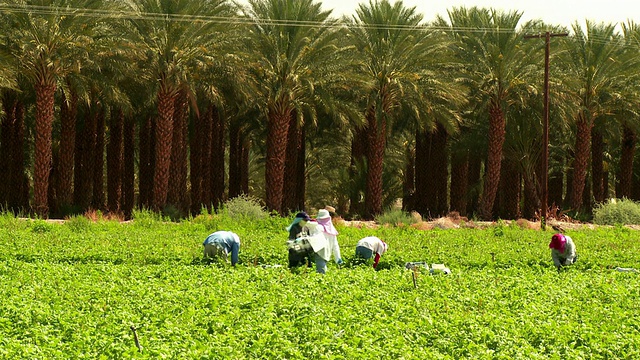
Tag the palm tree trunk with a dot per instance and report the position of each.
(82, 173)
(301, 178)
(510, 187)
(581, 159)
(532, 201)
(556, 183)
(68, 114)
(115, 159)
(586, 196)
(7, 129)
(431, 184)
(569, 181)
(626, 162)
(44, 125)
(99, 202)
(177, 193)
(128, 176)
(290, 187)
(195, 163)
(459, 183)
(206, 156)
(235, 154)
(597, 159)
(635, 195)
(146, 148)
(244, 165)
(163, 132)
(277, 130)
(605, 184)
(420, 201)
(408, 182)
(494, 159)
(217, 159)
(13, 180)
(440, 160)
(475, 176)
(53, 179)
(359, 150)
(377, 139)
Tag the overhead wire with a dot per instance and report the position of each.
(239, 20)
(133, 15)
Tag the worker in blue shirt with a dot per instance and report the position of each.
(221, 244)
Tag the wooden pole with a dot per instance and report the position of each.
(545, 125)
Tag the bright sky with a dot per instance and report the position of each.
(557, 12)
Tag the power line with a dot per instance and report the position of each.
(133, 15)
(239, 20)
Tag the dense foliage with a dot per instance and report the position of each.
(179, 105)
(73, 290)
(617, 211)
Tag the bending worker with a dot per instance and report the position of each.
(221, 244)
(370, 245)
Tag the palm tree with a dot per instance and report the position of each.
(12, 123)
(175, 36)
(291, 61)
(394, 48)
(630, 114)
(48, 44)
(593, 62)
(444, 100)
(500, 73)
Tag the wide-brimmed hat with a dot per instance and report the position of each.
(323, 214)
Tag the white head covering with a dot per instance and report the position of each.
(323, 214)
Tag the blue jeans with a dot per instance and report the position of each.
(364, 252)
(321, 264)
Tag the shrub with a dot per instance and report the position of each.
(244, 207)
(146, 217)
(617, 211)
(40, 226)
(78, 223)
(395, 217)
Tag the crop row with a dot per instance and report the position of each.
(75, 291)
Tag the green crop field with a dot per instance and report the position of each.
(75, 290)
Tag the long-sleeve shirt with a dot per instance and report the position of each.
(228, 240)
(376, 245)
(295, 231)
(332, 240)
(567, 257)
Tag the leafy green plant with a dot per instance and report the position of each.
(78, 223)
(244, 207)
(617, 211)
(40, 226)
(395, 217)
(75, 290)
(147, 218)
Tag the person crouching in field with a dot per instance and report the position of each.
(370, 245)
(563, 250)
(221, 244)
(299, 249)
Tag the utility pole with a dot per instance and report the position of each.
(545, 132)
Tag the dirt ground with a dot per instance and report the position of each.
(455, 222)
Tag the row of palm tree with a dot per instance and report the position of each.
(193, 102)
